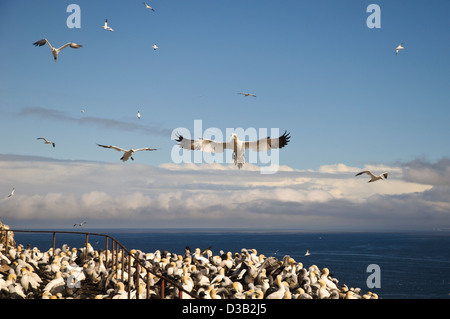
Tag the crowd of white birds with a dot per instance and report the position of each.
(86, 273)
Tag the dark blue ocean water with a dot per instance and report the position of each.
(413, 265)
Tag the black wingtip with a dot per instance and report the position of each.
(179, 137)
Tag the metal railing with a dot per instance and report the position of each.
(118, 252)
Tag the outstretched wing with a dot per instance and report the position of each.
(145, 149)
(366, 172)
(204, 145)
(72, 45)
(267, 143)
(42, 138)
(113, 147)
(41, 43)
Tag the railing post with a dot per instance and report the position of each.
(162, 288)
(86, 246)
(7, 241)
(137, 283)
(129, 272)
(117, 260)
(148, 284)
(54, 247)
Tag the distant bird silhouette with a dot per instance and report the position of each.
(12, 193)
(400, 47)
(79, 224)
(247, 94)
(46, 141)
(148, 7)
(106, 26)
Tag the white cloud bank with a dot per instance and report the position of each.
(53, 194)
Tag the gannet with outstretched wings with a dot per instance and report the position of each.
(12, 193)
(234, 144)
(46, 141)
(373, 178)
(400, 47)
(148, 7)
(247, 94)
(127, 153)
(106, 26)
(79, 224)
(55, 51)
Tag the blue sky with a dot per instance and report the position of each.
(318, 71)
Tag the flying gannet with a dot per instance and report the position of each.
(247, 94)
(235, 144)
(12, 193)
(45, 141)
(400, 47)
(154, 47)
(307, 253)
(373, 178)
(138, 115)
(106, 26)
(127, 153)
(148, 7)
(79, 224)
(56, 51)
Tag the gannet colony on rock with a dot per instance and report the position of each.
(85, 273)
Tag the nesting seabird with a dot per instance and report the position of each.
(235, 144)
(400, 47)
(46, 141)
(127, 153)
(148, 7)
(55, 51)
(373, 178)
(247, 94)
(106, 26)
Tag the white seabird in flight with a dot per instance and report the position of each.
(148, 7)
(373, 178)
(127, 153)
(106, 26)
(154, 47)
(56, 51)
(400, 47)
(235, 144)
(12, 193)
(247, 94)
(46, 141)
(307, 253)
(138, 115)
(79, 224)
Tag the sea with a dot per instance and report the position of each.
(394, 265)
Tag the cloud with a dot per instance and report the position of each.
(213, 195)
(420, 171)
(96, 121)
